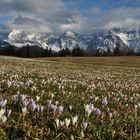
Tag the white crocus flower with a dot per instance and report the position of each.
(52, 95)
(82, 134)
(57, 122)
(67, 122)
(2, 111)
(24, 110)
(74, 120)
(88, 109)
(4, 119)
(104, 101)
(70, 107)
(85, 124)
(37, 98)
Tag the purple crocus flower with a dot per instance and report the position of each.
(3, 103)
(98, 112)
(15, 97)
(61, 123)
(53, 108)
(90, 97)
(31, 101)
(25, 103)
(41, 108)
(33, 106)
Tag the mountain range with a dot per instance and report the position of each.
(102, 41)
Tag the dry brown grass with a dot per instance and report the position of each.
(123, 61)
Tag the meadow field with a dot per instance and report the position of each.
(89, 98)
(123, 61)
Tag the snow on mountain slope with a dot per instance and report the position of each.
(20, 38)
(70, 40)
(123, 37)
(69, 34)
(98, 41)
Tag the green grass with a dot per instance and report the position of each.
(71, 85)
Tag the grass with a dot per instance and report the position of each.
(55, 100)
(125, 61)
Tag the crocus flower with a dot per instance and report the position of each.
(98, 112)
(9, 83)
(104, 101)
(85, 124)
(33, 106)
(15, 97)
(74, 120)
(41, 108)
(24, 110)
(38, 108)
(110, 115)
(53, 108)
(2, 111)
(37, 98)
(88, 109)
(135, 106)
(70, 107)
(31, 101)
(67, 122)
(90, 97)
(52, 95)
(25, 103)
(61, 123)
(22, 97)
(82, 134)
(9, 112)
(4, 119)
(60, 109)
(57, 122)
(3, 103)
(56, 103)
(49, 102)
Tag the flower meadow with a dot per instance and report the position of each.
(42, 100)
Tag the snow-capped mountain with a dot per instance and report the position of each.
(121, 38)
(70, 40)
(124, 39)
(20, 38)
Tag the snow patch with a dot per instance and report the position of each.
(69, 34)
(123, 37)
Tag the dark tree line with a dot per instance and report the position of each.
(76, 51)
(36, 51)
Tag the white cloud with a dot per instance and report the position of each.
(28, 24)
(72, 26)
(54, 16)
(128, 22)
(124, 17)
(41, 15)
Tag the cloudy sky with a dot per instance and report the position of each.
(57, 16)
